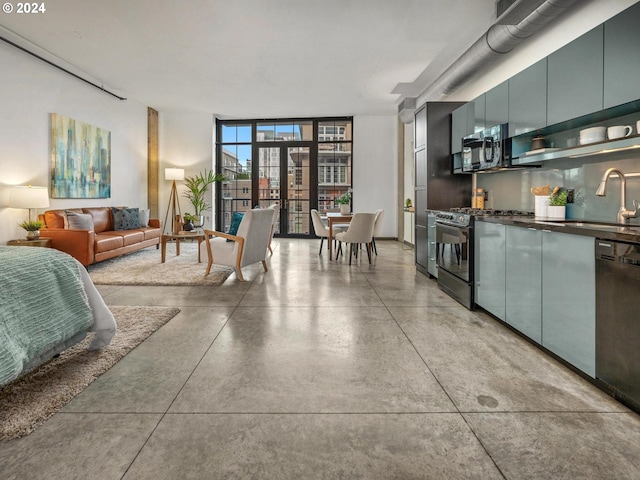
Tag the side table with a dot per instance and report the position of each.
(40, 242)
(177, 237)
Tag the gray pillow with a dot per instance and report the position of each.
(78, 221)
(125, 218)
(144, 217)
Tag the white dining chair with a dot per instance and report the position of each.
(321, 230)
(360, 231)
(377, 228)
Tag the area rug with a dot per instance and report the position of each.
(30, 400)
(144, 267)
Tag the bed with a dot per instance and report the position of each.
(48, 303)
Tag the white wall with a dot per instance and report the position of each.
(375, 170)
(30, 91)
(186, 141)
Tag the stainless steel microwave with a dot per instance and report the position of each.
(487, 149)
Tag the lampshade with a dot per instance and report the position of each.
(29, 197)
(174, 173)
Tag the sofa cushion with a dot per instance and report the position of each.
(125, 218)
(129, 237)
(144, 217)
(102, 218)
(78, 221)
(108, 241)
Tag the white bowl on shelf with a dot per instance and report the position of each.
(593, 135)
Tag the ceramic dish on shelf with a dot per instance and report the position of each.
(541, 150)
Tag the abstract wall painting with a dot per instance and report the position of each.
(80, 159)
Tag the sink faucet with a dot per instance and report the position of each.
(623, 214)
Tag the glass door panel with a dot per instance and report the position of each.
(298, 195)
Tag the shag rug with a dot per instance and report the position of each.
(31, 399)
(144, 267)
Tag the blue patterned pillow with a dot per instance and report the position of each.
(125, 218)
(236, 218)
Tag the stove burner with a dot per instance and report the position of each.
(498, 213)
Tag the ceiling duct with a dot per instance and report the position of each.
(524, 17)
(407, 110)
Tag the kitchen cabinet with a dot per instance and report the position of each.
(622, 57)
(436, 188)
(576, 78)
(461, 125)
(478, 105)
(490, 267)
(568, 298)
(496, 110)
(527, 99)
(432, 267)
(523, 293)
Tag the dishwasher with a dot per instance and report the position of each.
(618, 319)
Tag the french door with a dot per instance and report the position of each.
(284, 178)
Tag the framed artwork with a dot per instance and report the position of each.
(80, 159)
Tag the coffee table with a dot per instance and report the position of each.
(178, 237)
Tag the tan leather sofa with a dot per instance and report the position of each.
(101, 243)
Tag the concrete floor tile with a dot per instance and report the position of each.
(313, 446)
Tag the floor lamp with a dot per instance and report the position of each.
(174, 205)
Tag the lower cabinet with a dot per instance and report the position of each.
(541, 283)
(523, 296)
(568, 298)
(489, 267)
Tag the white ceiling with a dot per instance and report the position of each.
(259, 58)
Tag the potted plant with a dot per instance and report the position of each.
(408, 204)
(189, 222)
(557, 204)
(345, 203)
(33, 228)
(197, 187)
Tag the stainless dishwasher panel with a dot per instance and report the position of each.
(618, 319)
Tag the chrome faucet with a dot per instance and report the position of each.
(623, 214)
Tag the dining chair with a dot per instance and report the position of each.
(320, 229)
(377, 228)
(360, 231)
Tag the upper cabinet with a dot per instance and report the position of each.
(622, 57)
(478, 104)
(528, 99)
(576, 78)
(462, 119)
(496, 110)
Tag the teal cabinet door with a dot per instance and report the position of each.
(523, 296)
(568, 298)
(622, 57)
(489, 267)
(528, 99)
(479, 105)
(576, 78)
(496, 110)
(460, 126)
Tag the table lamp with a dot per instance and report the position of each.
(29, 197)
(174, 205)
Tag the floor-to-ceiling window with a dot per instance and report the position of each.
(297, 164)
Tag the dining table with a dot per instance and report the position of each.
(335, 218)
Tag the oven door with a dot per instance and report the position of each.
(452, 250)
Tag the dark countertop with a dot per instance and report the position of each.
(604, 230)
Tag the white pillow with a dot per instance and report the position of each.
(144, 217)
(79, 221)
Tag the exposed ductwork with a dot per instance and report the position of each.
(500, 39)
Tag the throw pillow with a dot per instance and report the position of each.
(125, 218)
(236, 218)
(144, 217)
(78, 221)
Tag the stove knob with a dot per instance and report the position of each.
(461, 218)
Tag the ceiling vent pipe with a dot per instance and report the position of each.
(498, 40)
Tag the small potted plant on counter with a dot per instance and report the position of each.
(33, 228)
(557, 204)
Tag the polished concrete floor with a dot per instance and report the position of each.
(319, 369)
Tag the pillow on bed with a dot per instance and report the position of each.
(125, 218)
(78, 221)
(144, 217)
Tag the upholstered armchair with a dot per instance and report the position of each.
(248, 246)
